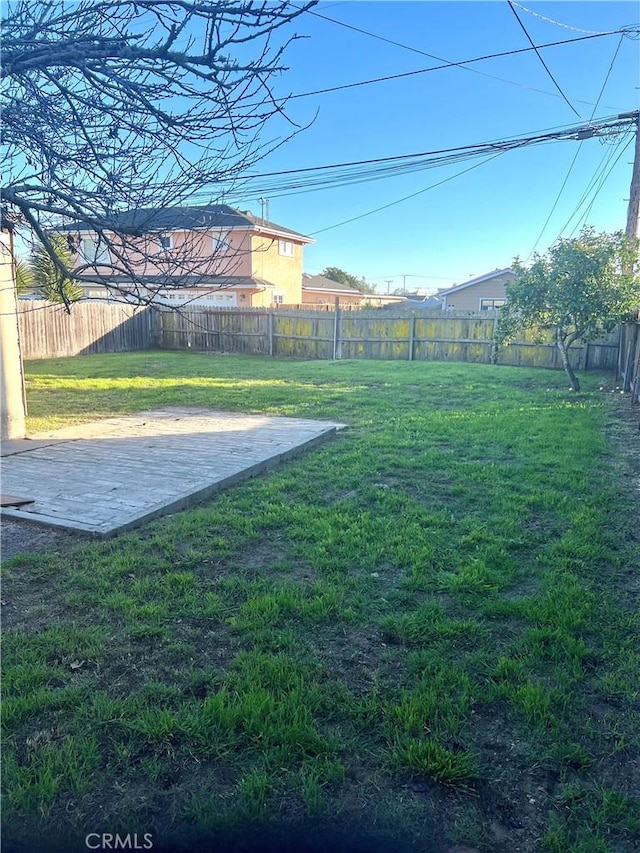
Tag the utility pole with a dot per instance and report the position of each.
(11, 376)
(633, 211)
(404, 285)
(630, 351)
(388, 283)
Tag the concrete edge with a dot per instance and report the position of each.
(184, 501)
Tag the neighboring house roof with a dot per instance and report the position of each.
(146, 220)
(427, 302)
(321, 282)
(475, 281)
(205, 282)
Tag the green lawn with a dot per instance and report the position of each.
(422, 634)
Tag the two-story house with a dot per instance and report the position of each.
(211, 255)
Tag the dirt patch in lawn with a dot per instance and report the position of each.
(20, 537)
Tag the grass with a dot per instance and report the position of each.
(421, 634)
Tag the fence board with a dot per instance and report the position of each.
(47, 330)
(433, 336)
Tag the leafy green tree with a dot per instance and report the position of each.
(49, 277)
(24, 277)
(582, 288)
(339, 275)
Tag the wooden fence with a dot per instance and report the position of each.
(377, 334)
(48, 331)
(629, 358)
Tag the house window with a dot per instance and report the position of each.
(285, 247)
(95, 251)
(219, 246)
(278, 297)
(166, 241)
(491, 304)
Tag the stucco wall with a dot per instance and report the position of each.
(283, 271)
(319, 297)
(192, 253)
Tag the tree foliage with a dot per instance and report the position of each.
(113, 105)
(349, 280)
(24, 277)
(582, 288)
(47, 274)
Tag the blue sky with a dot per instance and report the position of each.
(479, 221)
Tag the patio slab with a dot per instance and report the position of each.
(107, 476)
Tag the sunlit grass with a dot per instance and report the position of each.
(425, 617)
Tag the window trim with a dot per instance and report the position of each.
(220, 245)
(492, 307)
(283, 246)
(100, 254)
(168, 237)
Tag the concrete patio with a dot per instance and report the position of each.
(107, 476)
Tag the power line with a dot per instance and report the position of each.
(540, 57)
(603, 181)
(598, 176)
(551, 21)
(295, 181)
(459, 64)
(575, 157)
(440, 58)
(405, 198)
(563, 129)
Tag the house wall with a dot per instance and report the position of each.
(192, 253)
(322, 297)
(469, 298)
(284, 271)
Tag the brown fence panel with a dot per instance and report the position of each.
(304, 334)
(47, 330)
(216, 330)
(455, 336)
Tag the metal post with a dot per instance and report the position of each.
(270, 327)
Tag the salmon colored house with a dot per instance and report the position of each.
(213, 255)
(320, 290)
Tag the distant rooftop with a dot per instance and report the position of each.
(321, 282)
(145, 220)
(478, 280)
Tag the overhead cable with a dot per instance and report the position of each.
(541, 58)
(577, 153)
(293, 181)
(404, 198)
(440, 58)
(459, 64)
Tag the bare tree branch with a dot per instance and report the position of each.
(135, 104)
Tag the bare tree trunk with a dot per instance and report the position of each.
(564, 354)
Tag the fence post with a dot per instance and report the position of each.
(336, 321)
(630, 357)
(412, 335)
(493, 352)
(270, 325)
